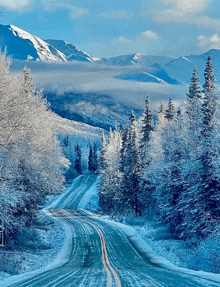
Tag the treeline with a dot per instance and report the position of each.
(80, 163)
(171, 167)
(31, 160)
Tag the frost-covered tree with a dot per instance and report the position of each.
(169, 112)
(131, 184)
(147, 123)
(102, 158)
(109, 187)
(78, 161)
(31, 159)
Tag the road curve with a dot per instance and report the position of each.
(101, 254)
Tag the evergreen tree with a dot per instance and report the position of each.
(169, 113)
(95, 158)
(161, 109)
(147, 123)
(131, 194)
(78, 161)
(90, 160)
(109, 187)
(102, 159)
(208, 86)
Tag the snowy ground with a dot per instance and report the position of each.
(51, 235)
(147, 236)
(158, 242)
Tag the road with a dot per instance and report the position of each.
(101, 255)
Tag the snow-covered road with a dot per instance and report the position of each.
(101, 254)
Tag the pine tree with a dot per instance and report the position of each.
(131, 194)
(170, 110)
(102, 159)
(147, 123)
(95, 158)
(161, 109)
(78, 161)
(90, 160)
(208, 86)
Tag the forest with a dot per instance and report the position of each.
(31, 158)
(168, 167)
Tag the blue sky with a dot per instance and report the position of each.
(113, 27)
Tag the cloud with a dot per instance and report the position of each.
(116, 15)
(150, 35)
(14, 4)
(78, 12)
(75, 11)
(121, 40)
(207, 43)
(174, 16)
(187, 5)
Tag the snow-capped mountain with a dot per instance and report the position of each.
(136, 59)
(141, 77)
(70, 51)
(23, 46)
(181, 69)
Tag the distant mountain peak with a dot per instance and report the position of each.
(23, 46)
(70, 51)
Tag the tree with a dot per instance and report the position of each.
(95, 158)
(31, 158)
(147, 123)
(102, 159)
(90, 161)
(131, 194)
(109, 187)
(78, 161)
(170, 111)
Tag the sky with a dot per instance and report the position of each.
(106, 28)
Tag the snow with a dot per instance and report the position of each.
(71, 52)
(181, 69)
(90, 199)
(141, 77)
(135, 59)
(58, 236)
(153, 241)
(22, 45)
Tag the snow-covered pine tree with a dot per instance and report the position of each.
(161, 109)
(201, 216)
(169, 112)
(109, 187)
(102, 158)
(147, 123)
(95, 158)
(170, 188)
(209, 190)
(90, 159)
(78, 161)
(131, 185)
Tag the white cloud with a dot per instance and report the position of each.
(150, 35)
(207, 43)
(78, 12)
(14, 4)
(187, 5)
(116, 15)
(121, 40)
(173, 16)
(75, 11)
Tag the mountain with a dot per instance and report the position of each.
(136, 59)
(70, 51)
(23, 46)
(181, 69)
(141, 77)
(160, 76)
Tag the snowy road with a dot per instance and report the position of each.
(101, 255)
